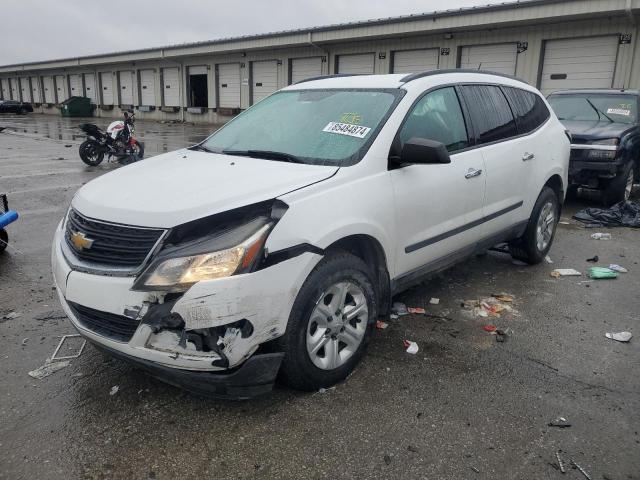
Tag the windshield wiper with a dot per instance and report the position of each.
(598, 111)
(201, 147)
(266, 154)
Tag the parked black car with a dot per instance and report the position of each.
(13, 106)
(605, 148)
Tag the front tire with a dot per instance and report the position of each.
(536, 241)
(619, 188)
(330, 323)
(91, 153)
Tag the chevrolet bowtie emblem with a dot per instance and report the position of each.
(80, 241)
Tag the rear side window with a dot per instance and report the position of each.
(529, 109)
(437, 116)
(490, 113)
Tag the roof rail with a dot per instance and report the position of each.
(415, 76)
(322, 77)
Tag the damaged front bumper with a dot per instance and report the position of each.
(203, 340)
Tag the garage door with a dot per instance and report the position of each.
(126, 87)
(171, 86)
(361, 63)
(15, 89)
(90, 90)
(4, 83)
(579, 63)
(411, 61)
(264, 78)
(303, 68)
(25, 89)
(229, 85)
(35, 90)
(147, 87)
(75, 84)
(61, 89)
(493, 58)
(49, 90)
(106, 84)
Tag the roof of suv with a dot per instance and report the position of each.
(608, 91)
(393, 80)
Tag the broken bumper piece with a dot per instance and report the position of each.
(253, 378)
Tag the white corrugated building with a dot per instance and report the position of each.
(550, 44)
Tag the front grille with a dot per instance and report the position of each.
(578, 154)
(109, 244)
(115, 327)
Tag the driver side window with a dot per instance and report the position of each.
(437, 116)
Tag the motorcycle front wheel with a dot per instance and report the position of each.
(136, 152)
(91, 153)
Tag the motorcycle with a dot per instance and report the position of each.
(118, 141)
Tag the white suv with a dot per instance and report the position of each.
(272, 247)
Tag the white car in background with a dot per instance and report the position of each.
(272, 247)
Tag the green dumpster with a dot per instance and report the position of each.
(76, 107)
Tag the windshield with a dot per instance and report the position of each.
(595, 107)
(322, 127)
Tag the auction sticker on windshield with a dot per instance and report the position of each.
(619, 111)
(346, 129)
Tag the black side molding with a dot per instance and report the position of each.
(287, 253)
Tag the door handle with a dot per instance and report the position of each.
(527, 156)
(472, 172)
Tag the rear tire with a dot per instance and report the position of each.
(537, 239)
(322, 347)
(90, 153)
(619, 189)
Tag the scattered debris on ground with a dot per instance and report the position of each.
(416, 310)
(501, 335)
(114, 390)
(380, 325)
(11, 315)
(411, 347)
(559, 422)
(602, 273)
(617, 268)
(489, 328)
(619, 336)
(623, 214)
(64, 338)
(48, 369)
(434, 301)
(560, 462)
(594, 259)
(321, 390)
(548, 259)
(565, 272)
(493, 306)
(581, 470)
(399, 309)
(601, 236)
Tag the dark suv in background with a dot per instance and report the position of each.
(605, 146)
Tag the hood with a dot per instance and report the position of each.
(595, 130)
(177, 187)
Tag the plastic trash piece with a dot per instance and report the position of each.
(593, 259)
(11, 316)
(602, 273)
(434, 301)
(380, 325)
(601, 236)
(48, 369)
(490, 328)
(114, 390)
(412, 347)
(501, 336)
(619, 336)
(617, 268)
(623, 214)
(418, 310)
(560, 462)
(559, 422)
(548, 259)
(565, 272)
(399, 308)
(504, 297)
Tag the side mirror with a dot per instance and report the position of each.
(423, 151)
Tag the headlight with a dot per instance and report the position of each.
(605, 141)
(178, 272)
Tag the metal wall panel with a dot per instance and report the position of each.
(25, 89)
(106, 84)
(579, 63)
(229, 85)
(75, 84)
(61, 88)
(36, 94)
(264, 79)
(501, 58)
(5, 90)
(362, 63)
(49, 89)
(90, 90)
(125, 78)
(15, 89)
(411, 61)
(303, 68)
(148, 87)
(171, 86)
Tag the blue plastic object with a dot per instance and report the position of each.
(7, 218)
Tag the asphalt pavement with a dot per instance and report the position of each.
(464, 407)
